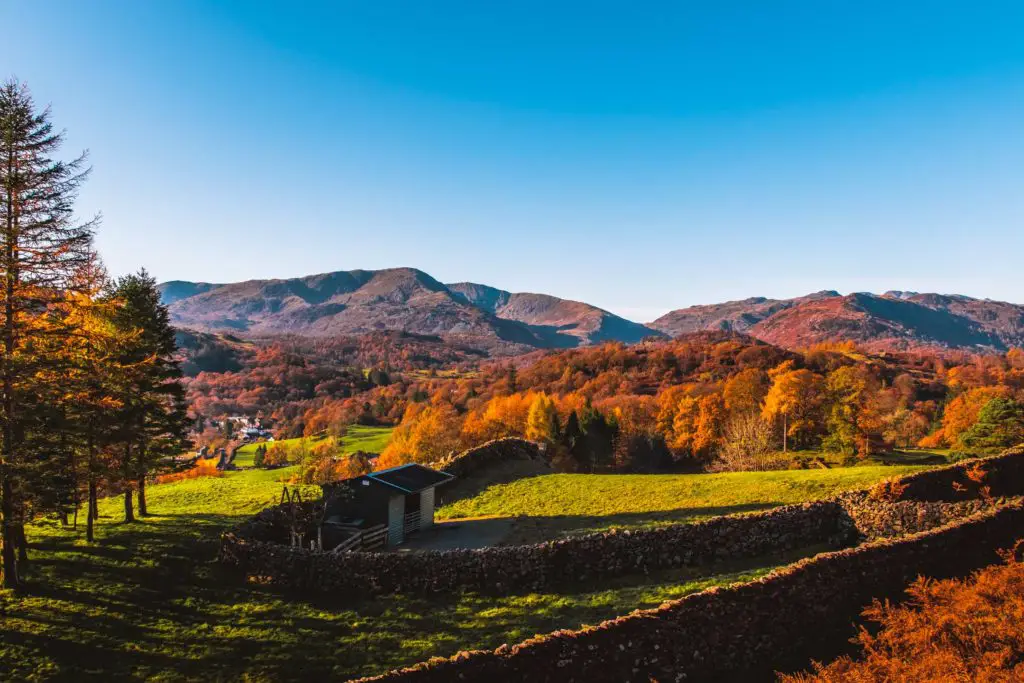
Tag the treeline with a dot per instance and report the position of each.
(89, 397)
(717, 401)
(294, 380)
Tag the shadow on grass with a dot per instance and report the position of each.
(149, 600)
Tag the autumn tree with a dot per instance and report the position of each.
(745, 391)
(853, 411)
(42, 246)
(542, 421)
(1000, 424)
(794, 398)
(427, 434)
(962, 412)
(748, 444)
(684, 426)
(708, 426)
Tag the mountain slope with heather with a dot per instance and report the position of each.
(891, 321)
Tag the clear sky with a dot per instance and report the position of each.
(638, 156)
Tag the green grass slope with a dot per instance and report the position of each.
(357, 438)
(559, 504)
(148, 601)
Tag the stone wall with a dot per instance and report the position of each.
(1004, 477)
(252, 549)
(498, 451)
(936, 523)
(744, 632)
(867, 518)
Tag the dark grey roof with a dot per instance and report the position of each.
(411, 478)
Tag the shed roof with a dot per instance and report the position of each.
(411, 478)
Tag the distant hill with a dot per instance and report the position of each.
(361, 301)
(559, 322)
(891, 321)
(499, 322)
(731, 316)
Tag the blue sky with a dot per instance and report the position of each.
(638, 156)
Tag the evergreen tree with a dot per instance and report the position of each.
(155, 416)
(595, 451)
(572, 432)
(41, 248)
(1000, 425)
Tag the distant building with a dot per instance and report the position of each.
(402, 498)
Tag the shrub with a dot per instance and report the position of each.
(888, 491)
(954, 630)
(202, 468)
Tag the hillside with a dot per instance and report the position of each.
(559, 322)
(499, 322)
(406, 299)
(891, 321)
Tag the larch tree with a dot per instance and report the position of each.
(542, 421)
(42, 246)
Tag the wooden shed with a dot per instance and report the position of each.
(401, 498)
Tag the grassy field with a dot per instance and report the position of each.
(149, 602)
(357, 438)
(559, 504)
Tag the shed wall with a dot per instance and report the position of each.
(396, 519)
(427, 508)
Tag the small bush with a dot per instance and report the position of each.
(202, 468)
(950, 630)
(888, 491)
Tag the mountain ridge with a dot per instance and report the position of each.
(408, 299)
(503, 322)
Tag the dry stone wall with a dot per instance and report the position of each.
(939, 523)
(1004, 476)
(496, 452)
(744, 632)
(571, 561)
(868, 519)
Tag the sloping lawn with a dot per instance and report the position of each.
(357, 438)
(559, 504)
(149, 602)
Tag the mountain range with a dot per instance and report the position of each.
(361, 301)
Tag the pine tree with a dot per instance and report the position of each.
(155, 416)
(41, 248)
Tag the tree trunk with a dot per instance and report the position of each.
(142, 496)
(10, 560)
(129, 510)
(90, 518)
(142, 480)
(19, 532)
(785, 433)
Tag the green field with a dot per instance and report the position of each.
(149, 602)
(357, 438)
(558, 504)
